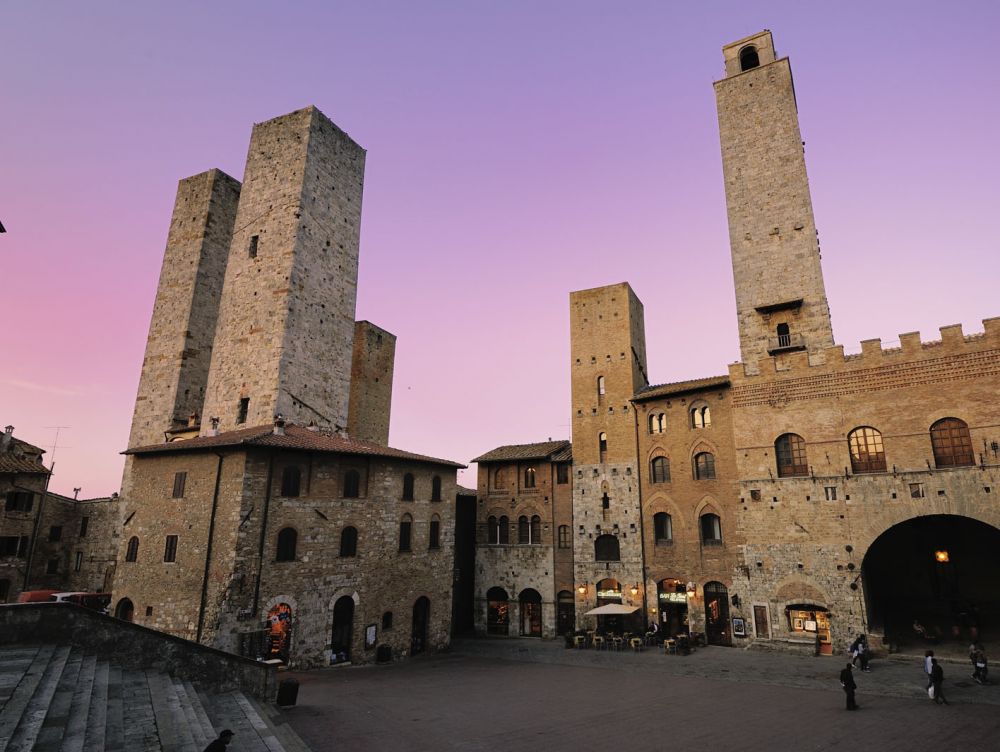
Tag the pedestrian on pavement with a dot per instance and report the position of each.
(220, 744)
(937, 679)
(847, 682)
(928, 665)
(979, 664)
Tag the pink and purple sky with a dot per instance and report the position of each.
(516, 151)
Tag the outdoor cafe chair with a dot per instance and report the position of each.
(670, 647)
(598, 642)
(636, 644)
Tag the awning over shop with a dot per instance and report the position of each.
(611, 609)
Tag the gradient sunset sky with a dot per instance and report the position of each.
(516, 151)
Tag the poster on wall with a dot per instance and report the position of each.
(371, 633)
(739, 627)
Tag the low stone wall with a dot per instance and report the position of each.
(133, 646)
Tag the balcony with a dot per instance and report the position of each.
(785, 343)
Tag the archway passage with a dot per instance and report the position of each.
(343, 630)
(421, 621)
(609, 591)
(939, 571)
(125, 610)
(565, 613)
(672, 601)
(279, 632)
(717, 614)
(497, 612)
(531, 613)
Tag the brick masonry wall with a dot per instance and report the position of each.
(371, 383)
(286, 319)
(182, 328)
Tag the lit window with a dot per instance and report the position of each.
(529, 477)
(867, 454)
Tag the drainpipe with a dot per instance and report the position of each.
(263, 535)
(642, 532)
(208, 549)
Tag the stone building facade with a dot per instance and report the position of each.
(807, 496)
(524, 541)
(263, 510)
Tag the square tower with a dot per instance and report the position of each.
(780, 296)
(371, 383)
(286, 321)
(608, 366)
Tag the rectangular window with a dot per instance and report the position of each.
(244, 409)
(760, 622)
(9, 545)
(435, 541)
(20, 501)
(79, 561)
(564, 536)
(84, 523)
(252, 250)
(170, 550)
(831, 493)
(55, 533)
(917, 491)
(52, 567)
(180, 479)
(562, 474)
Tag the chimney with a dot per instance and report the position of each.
(8, 435)
(76, 493)
(214, 430)
(193, 420)
(279, 425)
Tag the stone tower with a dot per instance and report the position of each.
(179, 346)
(608, 366)
(286, 321)
(780, 296)
(371, 383)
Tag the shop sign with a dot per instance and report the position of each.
(609, 594)
(674, 597)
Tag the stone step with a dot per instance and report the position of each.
(278, 721)
(209, 732)
(191, 720)
(264, 730)
(57, 714)
(74, 739)
(171, 720)
(22, 692)
(114, 728)
(30, 725)
(138, 713)
(14, 663)
(97, 718)
(226, 713)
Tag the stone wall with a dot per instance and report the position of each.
(371, 383)
(20, 525)
(84, 553)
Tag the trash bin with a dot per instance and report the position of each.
(288, 692)
(383, 654)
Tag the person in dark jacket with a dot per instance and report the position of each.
(220, 744)
(847, 682)
(937, 679)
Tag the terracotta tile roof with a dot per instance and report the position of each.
(679, 387)
(11, 462)
(463, 491)
(554, 451)
(294, 438)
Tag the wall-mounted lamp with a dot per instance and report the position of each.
(692, 590)
(582, 589)
(634, 589)
(941, 557)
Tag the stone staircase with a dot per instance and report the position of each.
(55, 698)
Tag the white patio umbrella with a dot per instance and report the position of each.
(611, 609)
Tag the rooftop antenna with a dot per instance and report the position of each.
(56, 445)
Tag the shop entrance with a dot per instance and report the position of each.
(671, 599)
(531, 613)
(565, 613)
(609, 591)
(717, 630)
(279, 631)
(934, 578)
(497, 612)
(807, 621)
(421, 621)
(343, 630)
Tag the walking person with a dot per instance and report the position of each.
(979, 664)
(937, 679)
(928, 665)
(220, 744)
(847, 682)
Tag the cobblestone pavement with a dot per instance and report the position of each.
(533, 695)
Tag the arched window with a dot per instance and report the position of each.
(564, 536)
(408, 487)
(867, 454)
(701, 415)
(749, 58)
(523, 530)
(132, 550)
(436, 488)
(349, 541)
(434, 537)
(952, 443)
(663, 529)
(536, 529)
(784, 335)
(504, 533)
(659, 470)
(606, 548)
(291, 477)
(492, 530)
(790, 454)
(287, 539)
(498, 478)
(405, 532)
(497, 612)
(600, 386)
(352, 484)
(602, 446)
(704, 466)
(711, 530)
(529, 477)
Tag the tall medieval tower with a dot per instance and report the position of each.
(285, 334)
(608, 366)
(780, 297)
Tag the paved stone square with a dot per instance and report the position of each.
(528, 694)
